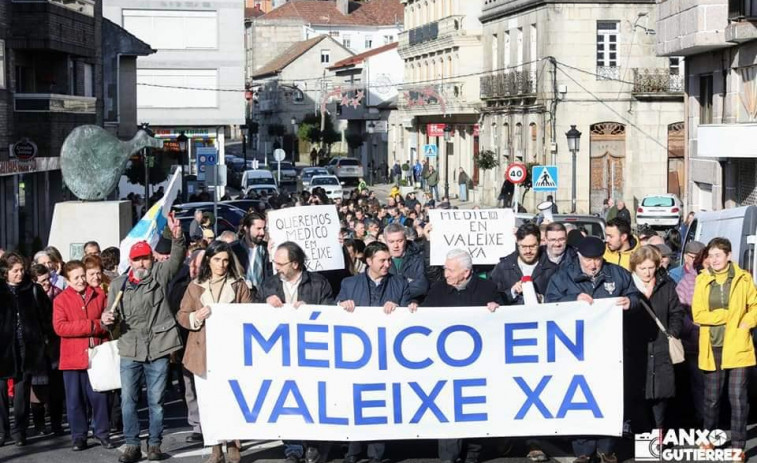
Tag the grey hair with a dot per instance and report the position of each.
(38, 255)
(394, 228)
(461, 256)
(410, 234)
(227, 236)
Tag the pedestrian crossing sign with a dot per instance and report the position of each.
(544, 178)
(430, 151)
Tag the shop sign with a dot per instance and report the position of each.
(15, 166)
(24, 149)
(190, 133)
(435, 130)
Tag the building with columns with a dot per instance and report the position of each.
(442, 51)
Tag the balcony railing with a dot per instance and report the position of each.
(656, 81)
(508, 84)
(432, 31)
(439, 96)
(86, 7)
(742, 9)
(608, 73)
(54, 103)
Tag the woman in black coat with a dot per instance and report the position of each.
(660, 295)
(25, 328)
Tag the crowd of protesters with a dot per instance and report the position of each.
(53, 311)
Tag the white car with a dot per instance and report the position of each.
(330, 183)
(664, 210)
(260, 181)
(308, 173)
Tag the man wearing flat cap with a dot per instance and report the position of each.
(690, 253)
(589, 278)
(148, 335)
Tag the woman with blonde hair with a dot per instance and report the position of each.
(725, 308)
(662, 304)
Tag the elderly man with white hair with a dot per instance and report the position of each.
(461, 288)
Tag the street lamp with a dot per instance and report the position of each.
(182, 139)
(447, 139)
(574, 143)
(372, 146)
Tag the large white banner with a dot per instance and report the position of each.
(315, 229)
(321, 373)
(487, 234)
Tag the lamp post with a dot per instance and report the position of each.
(574, 144)
(146, 160)
(371, 144)
(182, 139)
(447, 139)
(294, 135)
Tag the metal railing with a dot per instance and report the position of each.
(658, 80)
(507, 84)
(86, 7)
(54, 103)
(742, 9)
(432, 31)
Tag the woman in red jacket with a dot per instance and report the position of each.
(76, 319)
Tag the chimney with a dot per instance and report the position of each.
(343, 6)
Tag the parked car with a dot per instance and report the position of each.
(591, 224)
(288, 173)
(659, 211)
(345, 168)
(307, 174)
(330, 183)
(247, 205)
(231, 214)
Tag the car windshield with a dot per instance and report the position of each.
(591, 228)
(284, 165)
(658, 201)
(325, 181)
(260, 181)
(348, 162)
(310, 173)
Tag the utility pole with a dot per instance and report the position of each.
(324, 89)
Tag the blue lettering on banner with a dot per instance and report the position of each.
(282, 332)
(532, 397)
(250, 415)
(400, 357)
(576, 348)
(461, 400)
(511, 343)
(360, 403)
(427, 402)
(579, 382)
(323, 418)
(290, 388)
(397, 401)
(339, 361)
(441, 345)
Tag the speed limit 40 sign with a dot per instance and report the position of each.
(516, 173)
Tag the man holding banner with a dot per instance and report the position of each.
(376, 287)
(407, 260)
(589, 279)
(294, 285)
(461, 288)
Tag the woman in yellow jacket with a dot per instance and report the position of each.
(725, 307)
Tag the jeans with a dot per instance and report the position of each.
(21, 394)
(190, 397)
(80, 397)
(463, 192)
(154, 373)
(435, 191)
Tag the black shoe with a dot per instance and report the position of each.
(154, 453)
(312, 455)
(3, 439)
(351, 459)
(20, 441)
(79, 445)
(132, 454)
(292, 459)
(194, 437)
(105, 442)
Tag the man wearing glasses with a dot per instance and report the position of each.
(294, 285)
(556, 249)
(525, 261)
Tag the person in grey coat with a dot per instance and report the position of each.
(149, 334)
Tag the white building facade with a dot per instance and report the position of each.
(195, 82)
(550, 66)
(719, 42)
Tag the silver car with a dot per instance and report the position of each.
(346, 168)
(288, 173)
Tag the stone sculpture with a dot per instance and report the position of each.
(92, 159)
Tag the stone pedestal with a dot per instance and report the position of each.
(76, 222)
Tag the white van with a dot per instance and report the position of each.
(738, 225)
(260, 180)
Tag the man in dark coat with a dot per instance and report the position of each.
(251, 251)
(376, 287)
(526, 260)
(557, 250)
(461, 288)
(293, 284)
(587, 279)
(407, 260)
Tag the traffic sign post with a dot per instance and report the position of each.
(516, 174)
(544, 178)
(430, 151)
(279, 155)
(206, 156)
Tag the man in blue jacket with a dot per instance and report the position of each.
(407, 260)
(375, 287)
(589, 278)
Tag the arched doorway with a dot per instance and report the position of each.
(676, 166)
(608, 155)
